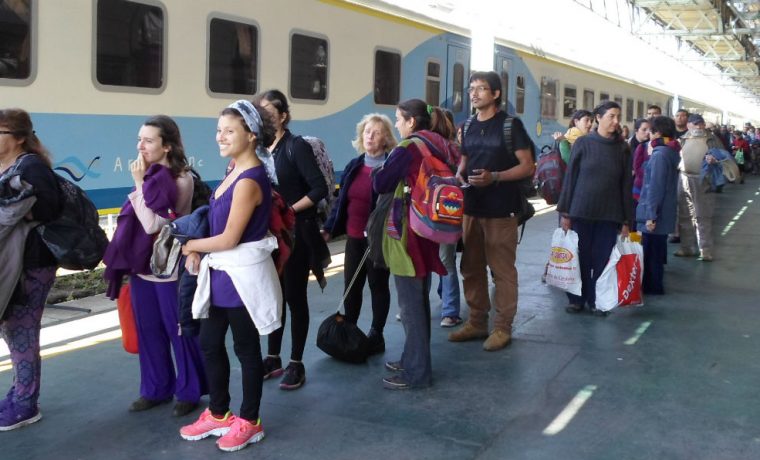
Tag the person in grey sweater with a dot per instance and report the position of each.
(596, 200)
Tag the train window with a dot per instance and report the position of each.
(232, 57)
(457, 88)
(570, 102)
(308, 67)
(629, 110)
(387, 77)
(433, 83)
(588, 99)
(640, 109)
(130, 44)
(520, 95)
(619, 100)
(15, 39)
(604, 97)
(548, 97)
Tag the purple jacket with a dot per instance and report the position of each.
(130, 248)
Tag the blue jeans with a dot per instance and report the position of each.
(414, 303)
(449, 285)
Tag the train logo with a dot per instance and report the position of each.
(76, 169)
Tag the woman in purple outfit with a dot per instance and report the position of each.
(163, 191)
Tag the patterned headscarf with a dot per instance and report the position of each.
(253, 121)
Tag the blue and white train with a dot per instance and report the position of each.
(90, 71)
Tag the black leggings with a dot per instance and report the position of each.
(295, 279)
(378, 285)
(248, 350)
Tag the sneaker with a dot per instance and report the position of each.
(15, 416)
(183, 408)
(574, 308)
(294, 378)
(451, 321)
(497, 340)
(207, 425)
(394, 366)
(375, 342)
(468, 332)
(141, 404)
(272, 367)
(705, 255)
(395, 382)
(600, 313)
(241, 433)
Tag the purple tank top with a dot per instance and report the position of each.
(223, 293)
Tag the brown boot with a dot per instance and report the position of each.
(497, 340)
(468, 332)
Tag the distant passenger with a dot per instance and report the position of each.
(28, 266)
(654, 111)
(639, 147)
(656, 211)
(596, 200)
(374, 139)
(163, 190)
(238, 287)
(625, 132)
(419, 257)
(492, 204)
(681, 119)
(580, 125)
(301, 184)
(695, 202)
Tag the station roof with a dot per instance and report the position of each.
(706, 50)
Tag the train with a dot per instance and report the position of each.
(91, 71)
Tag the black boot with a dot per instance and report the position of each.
(375, 342)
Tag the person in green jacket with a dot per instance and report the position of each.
(580, 124)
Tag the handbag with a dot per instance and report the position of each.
(620, 281)
(127, 320)
(376, 229)
(563, 270)
(340, 339)
(396, 233)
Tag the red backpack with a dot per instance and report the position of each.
(550, 170)
(437, 206)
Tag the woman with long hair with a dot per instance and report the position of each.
(238, 287)
(580, 125)
(596, 199)
(22, 154)
(163, 191)
(301, 184)
(415, 121)
(374, 139)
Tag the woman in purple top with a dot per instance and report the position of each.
(239, 213)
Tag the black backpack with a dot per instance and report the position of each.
(201, 191)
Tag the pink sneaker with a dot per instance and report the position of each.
(207, 425)
(242, 432)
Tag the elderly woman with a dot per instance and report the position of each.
(374, 139)
(22, 154)
(596, 199)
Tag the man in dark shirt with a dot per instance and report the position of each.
(489, 170)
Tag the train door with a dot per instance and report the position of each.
(457, 81)
(503, 66)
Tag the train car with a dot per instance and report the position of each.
(90, 71)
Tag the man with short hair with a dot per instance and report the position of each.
(681, 119)
(654, 111)
(695, 202)
(490, 170)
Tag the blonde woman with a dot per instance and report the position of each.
(374, 139)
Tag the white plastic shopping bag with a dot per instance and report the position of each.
(620, 282)
(564, 270)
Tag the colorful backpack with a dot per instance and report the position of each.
(550, 170)
(325, 166)
(437, 206)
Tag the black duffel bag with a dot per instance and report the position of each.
(340, 339)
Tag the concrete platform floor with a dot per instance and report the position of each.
(675, 379)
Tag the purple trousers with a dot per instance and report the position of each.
(155, 309)
(21, 331)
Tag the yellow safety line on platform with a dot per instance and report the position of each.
(639, 332)
(572, 408)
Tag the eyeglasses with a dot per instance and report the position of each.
(7, 132)
(478, 89)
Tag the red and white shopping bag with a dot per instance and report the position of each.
(620, 282)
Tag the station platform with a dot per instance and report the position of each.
(676, 378)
